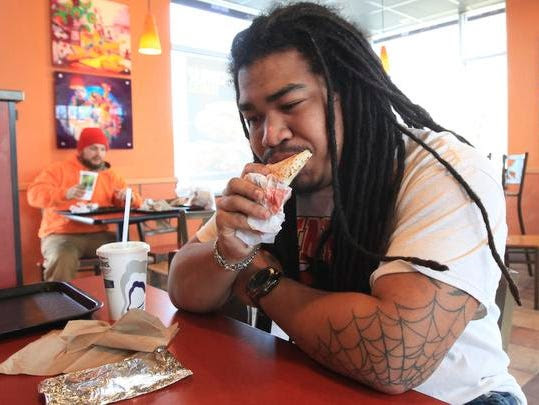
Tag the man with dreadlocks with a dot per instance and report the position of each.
(388, 262)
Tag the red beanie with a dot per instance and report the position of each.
(89, 136)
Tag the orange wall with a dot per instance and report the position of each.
(523, 93)
(25, 64)
(523, 68)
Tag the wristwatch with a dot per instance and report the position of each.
(261, 283)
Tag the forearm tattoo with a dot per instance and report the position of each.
(401, 349)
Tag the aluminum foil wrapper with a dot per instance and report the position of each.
(137, 375)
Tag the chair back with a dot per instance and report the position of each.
(184, 215)
(514, 169)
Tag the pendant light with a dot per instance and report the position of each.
(384, 58)
(149, 43)
(383, 51)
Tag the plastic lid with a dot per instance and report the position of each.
(123, 248)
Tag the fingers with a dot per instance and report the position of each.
(229, 221)
(245, 188)
(75, 192)
(255, 168)
(233, 210)
(241, 199)
(244, 197)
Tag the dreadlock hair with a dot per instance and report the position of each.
(367, 179)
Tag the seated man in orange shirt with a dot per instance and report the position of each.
(64, 242)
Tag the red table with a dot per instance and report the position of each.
(232, 363)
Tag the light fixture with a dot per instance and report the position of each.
(383, 51)
(384, 58)
(149, 43)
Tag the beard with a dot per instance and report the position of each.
(304, 185)
(90, 165)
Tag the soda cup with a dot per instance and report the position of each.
(124, 267)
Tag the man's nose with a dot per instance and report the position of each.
(275, 131)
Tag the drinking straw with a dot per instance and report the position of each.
(126, 214)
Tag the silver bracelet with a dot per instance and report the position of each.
(234, 266)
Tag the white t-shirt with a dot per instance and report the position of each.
(436, 220)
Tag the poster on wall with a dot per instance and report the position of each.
(91, 35)
(92, 101)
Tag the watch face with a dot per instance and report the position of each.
(259, 280)
(262, 276)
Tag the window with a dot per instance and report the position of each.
(458, 73)
(455, 71)
(209, 145)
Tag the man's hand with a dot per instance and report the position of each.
(196, 281)
(240, 199)
(75, 192)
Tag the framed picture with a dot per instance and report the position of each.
(92, 101)
(91, 35)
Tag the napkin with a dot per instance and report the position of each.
(89, 343)
(276, 194)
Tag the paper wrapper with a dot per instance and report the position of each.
(276, 194)
(88, 343)
(140, 374)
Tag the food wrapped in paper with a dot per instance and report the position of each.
(277, 191)
(137, 375)
(83, 208)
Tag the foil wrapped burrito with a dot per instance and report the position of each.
(137, 375)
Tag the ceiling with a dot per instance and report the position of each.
(383, 17)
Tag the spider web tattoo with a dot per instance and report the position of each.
(399, 350)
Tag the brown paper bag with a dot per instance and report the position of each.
(87, 343)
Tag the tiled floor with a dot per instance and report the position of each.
(523, 347)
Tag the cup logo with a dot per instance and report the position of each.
(104, 265)
(133, 285)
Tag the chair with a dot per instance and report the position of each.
(528, 245)
(86, 263)
(160, 252)
(514, 171)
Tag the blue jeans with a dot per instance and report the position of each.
(494, 398)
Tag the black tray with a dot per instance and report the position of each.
(100, 210)
(168, 211)
(187, 208)
(43, 304)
